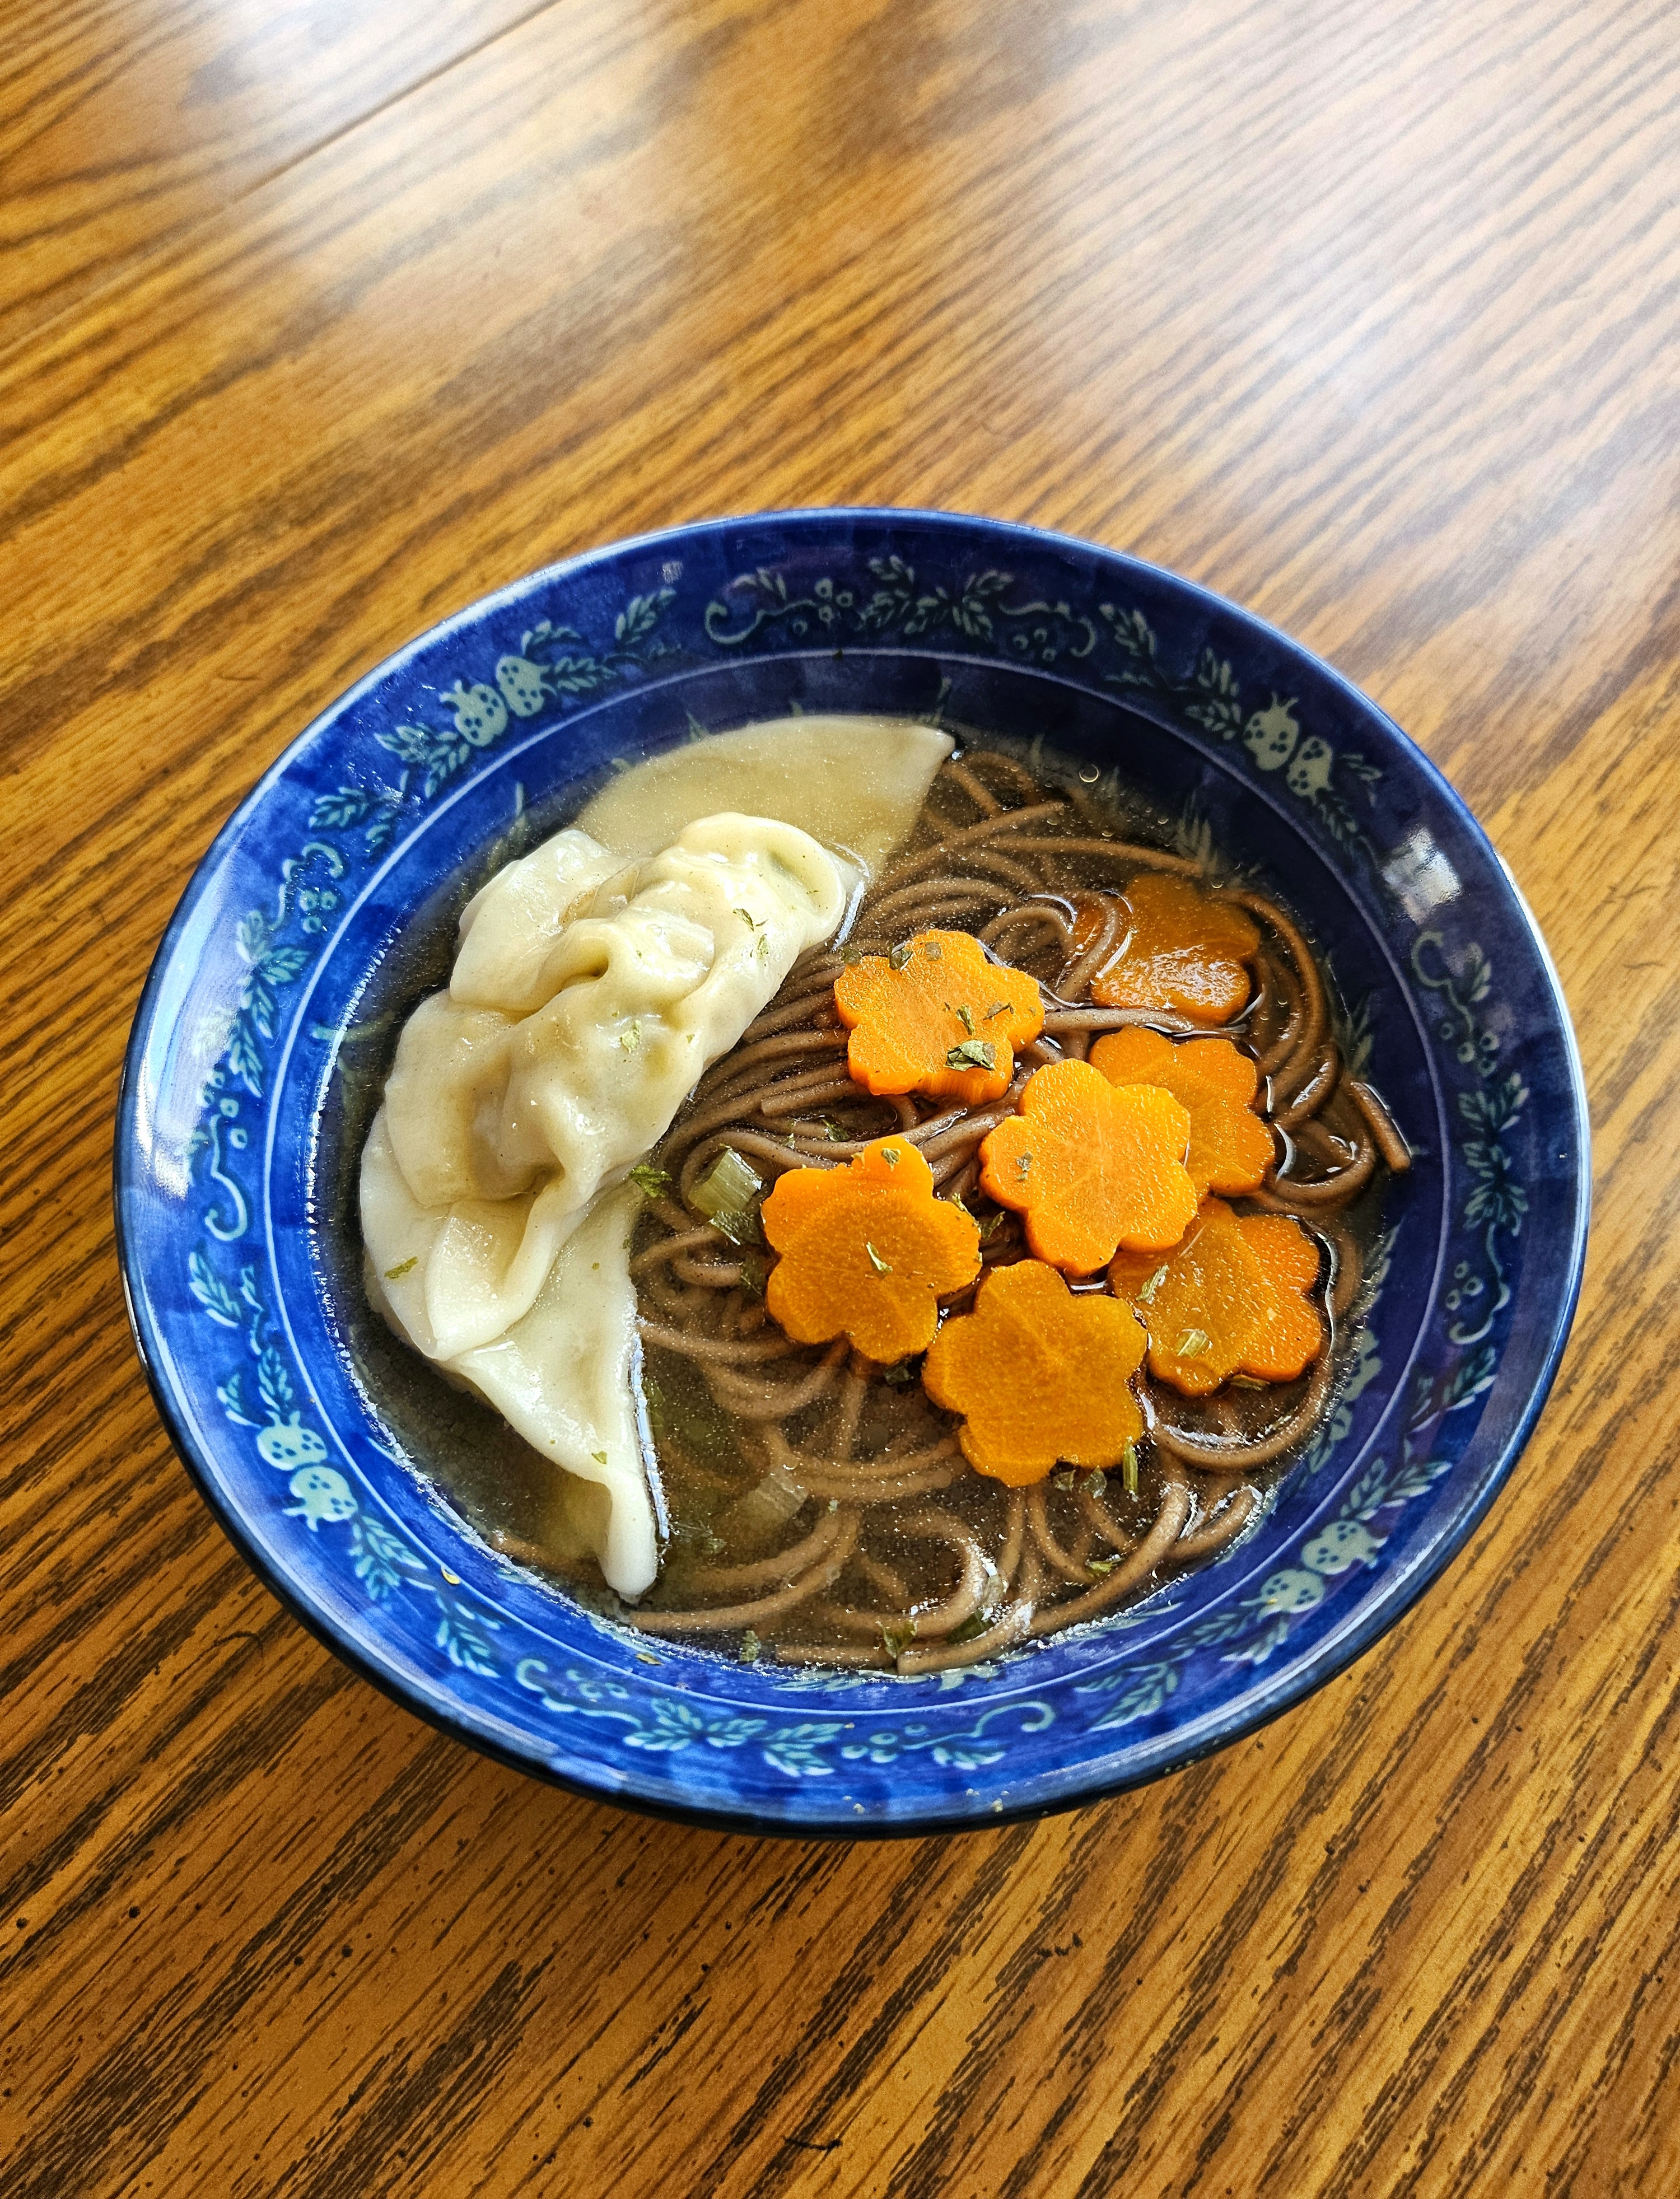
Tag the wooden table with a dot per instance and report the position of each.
(327, 318)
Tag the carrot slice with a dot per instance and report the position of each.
(1230, 1148)
(866, 1251)
(1184, 955)
(1092, 1165)
(1039, 1375)
(937, 1016)
(1230, 1298)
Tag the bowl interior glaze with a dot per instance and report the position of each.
(234, 1166)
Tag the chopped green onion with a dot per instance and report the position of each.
(1101, 1566)
(727, 1195)
(1129, 1469)
(1146, 1294)
(895, 1640)
(1193, 1342)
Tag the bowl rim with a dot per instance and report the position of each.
(1310, 1670)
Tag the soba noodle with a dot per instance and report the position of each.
(821, 1510)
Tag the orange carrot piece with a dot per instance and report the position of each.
(1230, 1298)
(1293, 1336)
(1230, 1148)
(1183, 954)
(937, 1016)
(866, 1251)
(1040, 1376)
(1092, 1165)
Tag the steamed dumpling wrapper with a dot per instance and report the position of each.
(561, 1376)
(510, 926)
(492, 1243)
(513, 1123)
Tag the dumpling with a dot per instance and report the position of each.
(509, 1125)
(561, 1376)
(856, 783)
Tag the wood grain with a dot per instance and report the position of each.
(1365, 316)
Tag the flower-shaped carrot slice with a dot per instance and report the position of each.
(1230, 1148)
(1293, 1336)
(1185, 953)
(937, 1016)
(1092, 1165)
(1039, 1375)
(1229, 1299)
(866, 1251)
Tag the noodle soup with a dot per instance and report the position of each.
(994, 1271)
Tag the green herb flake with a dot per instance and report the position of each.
(993, 1222)
(631, 1039)
(890, 1155)
(655, 1183)
(934, 952)
(748, 920)
(900, 1376)
(900, 954)
(1023, 1163)
(997, 1008)
(1145, 1296)
(1192, 1343)
(895, 1639)
(395, 1274)
(964, 1018)
(599, 1457)
(972, 1053)
(976, 1624)
(1129, 1469)
(763, 950)
(881, 1267)
(751, 1648)
(1101, 1566)
(1064, 1479)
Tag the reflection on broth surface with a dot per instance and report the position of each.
(995, 1270)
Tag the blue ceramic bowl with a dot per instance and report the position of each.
(242, 1300)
